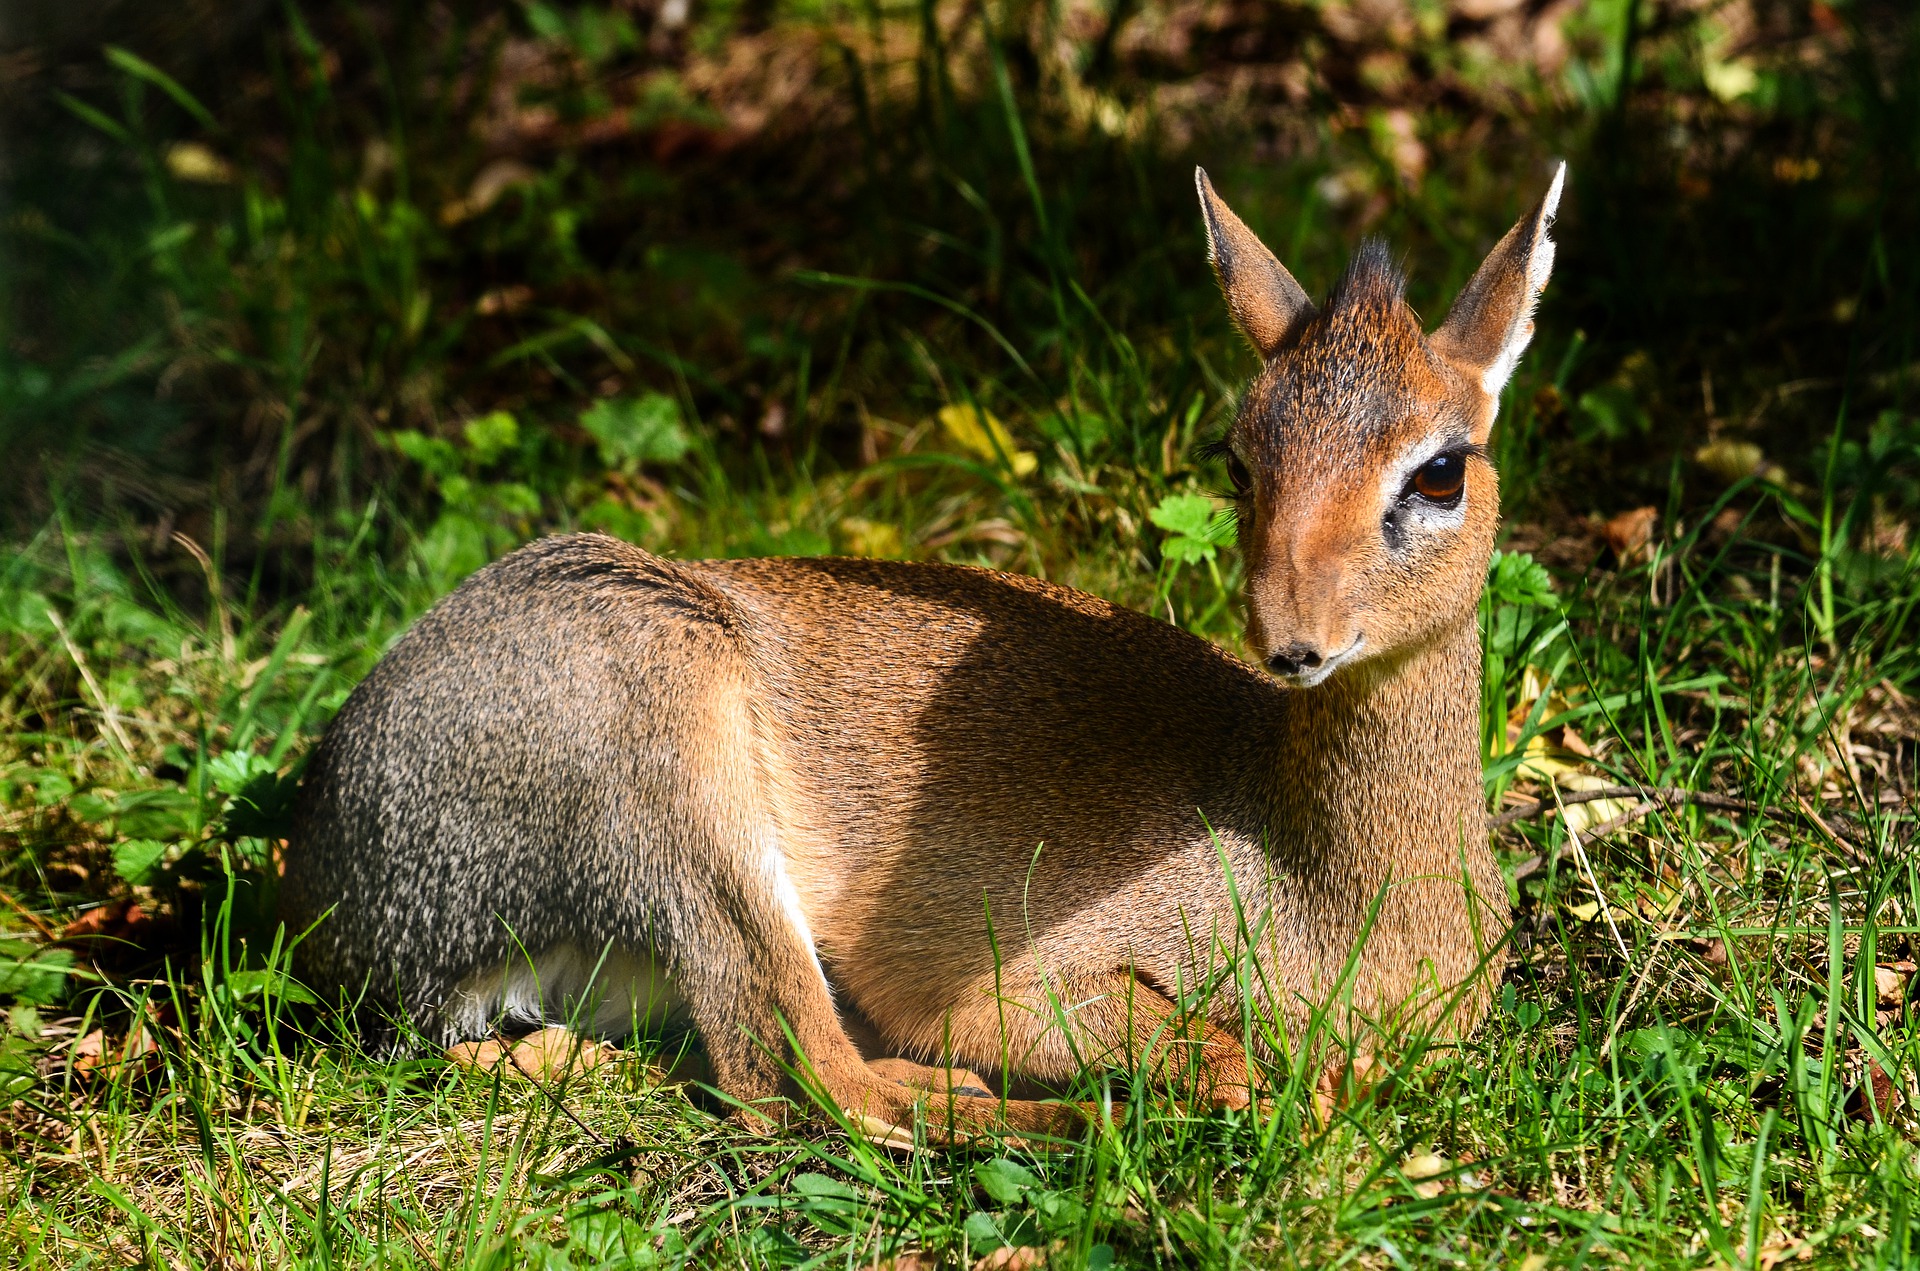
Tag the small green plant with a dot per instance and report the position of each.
(1196, 531)
(479, 516)
(632, 431)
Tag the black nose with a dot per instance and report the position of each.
(1294, 659)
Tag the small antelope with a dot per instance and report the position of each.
(967, 817)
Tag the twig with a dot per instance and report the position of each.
(1664, 796)
(32, 917)
(513, 1058)
(1845, 845)
(1660, 794)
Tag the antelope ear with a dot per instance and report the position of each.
(1266, 302)
(1491, 321)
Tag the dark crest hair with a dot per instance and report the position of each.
(1372, 280)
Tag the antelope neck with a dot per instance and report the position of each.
(1378, 778)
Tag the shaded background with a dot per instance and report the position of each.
(264, 263)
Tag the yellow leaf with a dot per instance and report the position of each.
(1586, 911)
(1658, 904)
(1729, 80)
(1423, 1169)
(871, 538)
(975, 429)
(1548, 762)
(1734, 460)
(191, 161)
(1582, 817)
(1546, 759)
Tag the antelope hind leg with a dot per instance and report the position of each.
(1115, 1019)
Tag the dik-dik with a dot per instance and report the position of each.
(972, 818)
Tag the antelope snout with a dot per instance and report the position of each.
(1301, 623)
(1294, 659)
(1308, 664)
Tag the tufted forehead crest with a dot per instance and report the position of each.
(1372, 281)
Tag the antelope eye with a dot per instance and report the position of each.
(1440, 478)
(1238, 474)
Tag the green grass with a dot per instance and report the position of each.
(1672, 1105)
(261, 425)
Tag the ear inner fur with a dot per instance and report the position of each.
(1491, 321)
(1266, 302)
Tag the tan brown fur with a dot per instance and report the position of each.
(974, 820)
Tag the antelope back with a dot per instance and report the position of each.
(1367, 501)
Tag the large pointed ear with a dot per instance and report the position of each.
(1266, 302)
(1492, 318)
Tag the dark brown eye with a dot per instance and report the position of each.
(1440, 478)
(1238, 474)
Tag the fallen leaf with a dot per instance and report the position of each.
(1012, 1258)
(1733, 461)
(1343, 1084)
(1583, 817)
(1423, 1170)
(483, 1055)
(504, 300)
(116, 920)
(1783, 1249)
(1877, 1092)
(916, 1260)
(1629, 533)
(191, 161)
(974, 428)
(554, 1052)
(95, 1055)
(1890, 982)
(488, 185)
(1553, 753)
(1656, 904)
(546, 1055)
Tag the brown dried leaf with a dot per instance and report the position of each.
(1342, 1084)
(483, 1055)
(546, 1055)
(1878, 1091)
(1629, 533)
(116, 920)
(94, 1055)
(1890, 982)
(916, 1260)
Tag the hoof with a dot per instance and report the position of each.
(949, 1081)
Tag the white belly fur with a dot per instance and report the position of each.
(612, 995)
